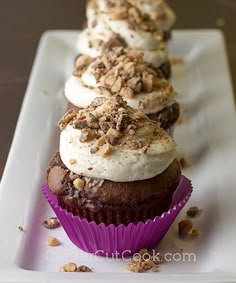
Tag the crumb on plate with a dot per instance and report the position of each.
(51, 223)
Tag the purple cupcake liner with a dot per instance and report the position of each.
(121, 240)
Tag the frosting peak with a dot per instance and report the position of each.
(110, 140)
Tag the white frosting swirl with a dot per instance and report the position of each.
(155, 57)
(82, 91)
(124, 164)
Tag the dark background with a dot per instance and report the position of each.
(23, 21)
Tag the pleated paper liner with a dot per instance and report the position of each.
(121, 240)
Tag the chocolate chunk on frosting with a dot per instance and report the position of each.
(110, 140)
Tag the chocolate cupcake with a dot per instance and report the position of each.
(123, 71)
(115, 179)
(160, 12)
(115, 165)
(112, 23)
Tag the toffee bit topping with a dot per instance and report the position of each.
(123, 122)
(110, 122)
(51, 223)
(123, 71)
(114, 41)
(123, 10)
(98, 101)
(72, 161)
(67, 118)
(81, 64)
(104, 150)
(159, 12)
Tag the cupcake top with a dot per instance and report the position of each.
(119, 71)
(158, 10)
(110, 140)
(109, 19)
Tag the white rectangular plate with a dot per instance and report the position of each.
(206, 136)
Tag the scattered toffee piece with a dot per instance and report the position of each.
(185, 227)
(68, 267)
(83, 268)
(20, 228)
(52, 241)
(51, 223)
(72, 267)
(144, 261)
(195, 232)
(192, 211)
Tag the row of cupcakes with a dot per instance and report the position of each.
(136, 24)
(115, 183)
(123, 50)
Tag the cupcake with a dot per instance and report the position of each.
(123, 71)
(115, 179)
(160, 12)
(115, 23)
